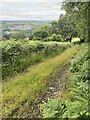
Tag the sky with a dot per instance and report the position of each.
(30, 9)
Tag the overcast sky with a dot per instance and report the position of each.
(30, 9)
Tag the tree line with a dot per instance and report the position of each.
(73, 24)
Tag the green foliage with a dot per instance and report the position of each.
(77, 13)
(18, 55)
(5, 36)
(41, 33)
(18, 35)
(55, 37)
(75, 22)
(81, 58)
(53, 109)
(77, 105)
(30, 37)
(54, 27)
(66, 27)
(21, 92)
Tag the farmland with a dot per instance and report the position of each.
(8, 27)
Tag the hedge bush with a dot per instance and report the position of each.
(18, 55)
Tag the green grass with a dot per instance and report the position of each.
(24, 88)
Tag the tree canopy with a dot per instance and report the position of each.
(77, 13)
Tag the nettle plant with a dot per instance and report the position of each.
(54, 108)
(77, 105)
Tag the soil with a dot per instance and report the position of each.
(58, 83)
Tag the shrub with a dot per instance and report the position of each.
(41, 33)
(18, 35)
(54, 37)
(18, 55)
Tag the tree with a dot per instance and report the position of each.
(54, 37)
(6, 35)
(30, 37)
(66, 27)
(77, 13)
(54, 27)
(41, 33)
(18, 35)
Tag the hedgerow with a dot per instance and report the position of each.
(18, 55)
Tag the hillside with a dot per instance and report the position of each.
(33, 83)
(44, 64)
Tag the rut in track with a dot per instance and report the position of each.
(58, 83)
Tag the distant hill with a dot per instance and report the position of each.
(26, 20)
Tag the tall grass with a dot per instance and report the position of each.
(23, 89)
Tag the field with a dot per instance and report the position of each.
(27, 27)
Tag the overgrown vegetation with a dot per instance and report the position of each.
(18, 55)
(24, 47)
(76, 105)
(25, 88)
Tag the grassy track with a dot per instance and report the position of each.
(23, 89)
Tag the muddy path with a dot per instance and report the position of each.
(58, 82)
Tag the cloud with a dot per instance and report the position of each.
(31, 10)
(44, 1)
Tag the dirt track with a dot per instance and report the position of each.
(58, 83)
